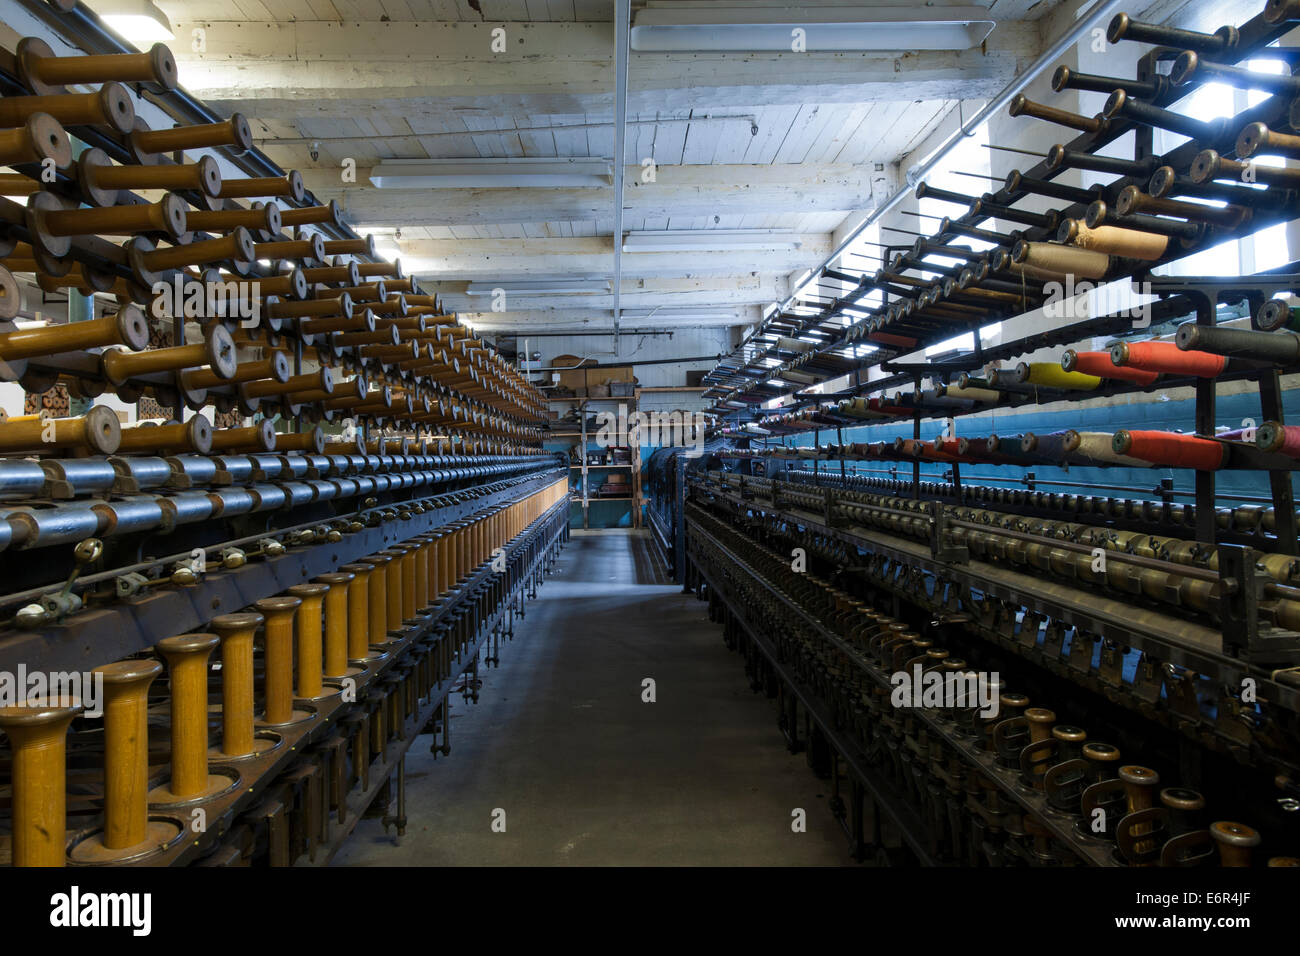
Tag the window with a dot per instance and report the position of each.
(1265, 249)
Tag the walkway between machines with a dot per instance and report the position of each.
(586, 772)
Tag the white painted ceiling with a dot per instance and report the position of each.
(373, 80)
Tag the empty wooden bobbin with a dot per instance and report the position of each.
(252, 438)
(187, 668)
(128, 833)
(194, 435)
(360, 650)
(335, 661)
(234, 132)
(377, 602)
(310, 665)
(126, 328)
(98, 432)
(261, 187)
(150, 264)
(277, 675)
(38, 737)
(238, 711)
(109, 106)
(43, 72)
(217, 351)
(40, 138)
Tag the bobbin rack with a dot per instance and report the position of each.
(1148, 650)
(327, 477)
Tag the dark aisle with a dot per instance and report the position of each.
(585, 771)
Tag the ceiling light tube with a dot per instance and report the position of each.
(511, 173)
(139, 21)
(757, 27)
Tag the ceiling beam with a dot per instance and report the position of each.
(286, 71)
(678, 191)
(587, 320)
(487, 259)
(634, 294)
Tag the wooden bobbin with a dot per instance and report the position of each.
(409, 561)
(101, 181)
(128, 833)
(187, 665)
(16, 184)
(347, 273)
(335, 660)
(97, 432)
(377, 599)
(437, 561)
(309, 248)
(234, 132)
(277, 679)
(260, 218)
(38, 738)
(363, 246)
(310, 640)
(376, 291)
(194, 435)
(127, 328)
(309, 215)
(359, 648)
(264, 187)
(40, 138)
(275, 368)
(322, 379)
(109, 106)
(238, 711)
(253, 438)
(394, 600)
(217, 352)
(149, 263)
(292, 283)
(43, 72)
(421, 583)
(1235, 842)
(340, 305)
(372, 269)
(312, 441)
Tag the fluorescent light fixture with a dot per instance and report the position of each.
(681, 314)
(139, 21)
(712, 240)
(542, 287)
(755, 26)
(510, 173)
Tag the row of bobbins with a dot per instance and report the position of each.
(313, 637)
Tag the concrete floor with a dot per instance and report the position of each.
(587, 773)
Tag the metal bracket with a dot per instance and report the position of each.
(941, 549)
(1240, 588)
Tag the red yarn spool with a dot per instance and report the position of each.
(1168, 357)
(1173, 449)
(1099, 364)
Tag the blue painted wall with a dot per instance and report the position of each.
(1154, 415)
